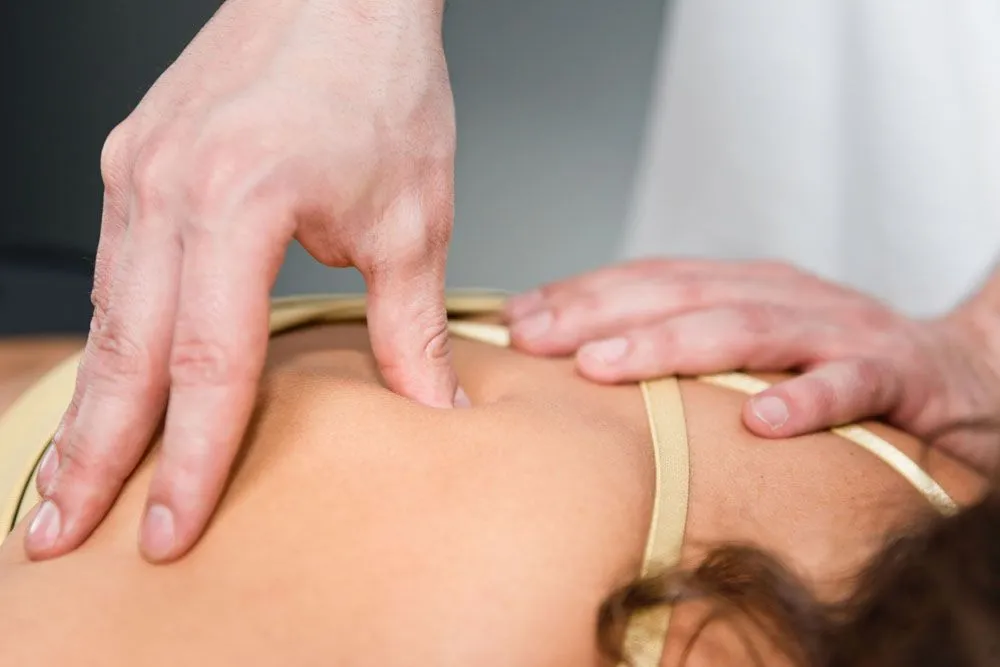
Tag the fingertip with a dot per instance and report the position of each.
(603, 361)
(408, 331)
(44, 529)
(158, 534)
(462, 399)
(768, 415)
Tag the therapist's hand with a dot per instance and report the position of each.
(328, 121)
(658, 317)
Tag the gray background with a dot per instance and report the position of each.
(551, 97)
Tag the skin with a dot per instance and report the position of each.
(327, 121)
(331, 122)
(361, 528)
(860, 359)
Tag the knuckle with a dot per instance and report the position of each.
(150, 176)
(214, 173)
(819, 394)
(431, 326)
(115, 155)
(438, 345)
(99, 298)
(657, 343)
(432, 350)
(207, 363)
(867, 376)
(435, 215)
(80, 461)
(116, 355)
(756, 319)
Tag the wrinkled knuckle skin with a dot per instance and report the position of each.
(822, 396)
(117, 357)
(868, 376)
(99, 299)
(438, 346)
(204, 363)
(80, 462)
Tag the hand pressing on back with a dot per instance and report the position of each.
(858, 358)
(327, 121)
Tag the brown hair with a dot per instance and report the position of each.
(930, 597)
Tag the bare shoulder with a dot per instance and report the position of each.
(361, 528)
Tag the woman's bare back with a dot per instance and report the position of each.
(361, 528)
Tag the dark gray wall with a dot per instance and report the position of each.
(70, 71)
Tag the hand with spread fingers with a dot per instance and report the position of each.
(327, 121)
(859, 358)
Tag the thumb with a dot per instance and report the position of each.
(408, 328)
(833, 394)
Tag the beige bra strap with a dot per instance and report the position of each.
(295, 311)
(28, 425)
(25, 429)
(863, 438)
(646, 632)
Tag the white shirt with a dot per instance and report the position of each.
(857, 139)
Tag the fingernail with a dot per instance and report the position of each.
(521, 305)
(533, 326)
(158, 533)
(44, 529)
(49, 463)
(462, 399)
(608, 351)
(771, 410)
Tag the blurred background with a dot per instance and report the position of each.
(859, 140)
(551, 100)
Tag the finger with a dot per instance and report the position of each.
(114, 218)
(722, 339)
(610, 279)
(832, 394)
(562, 327)
(407, 319)
(219, 344)
(124, 392)
(566, 326)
